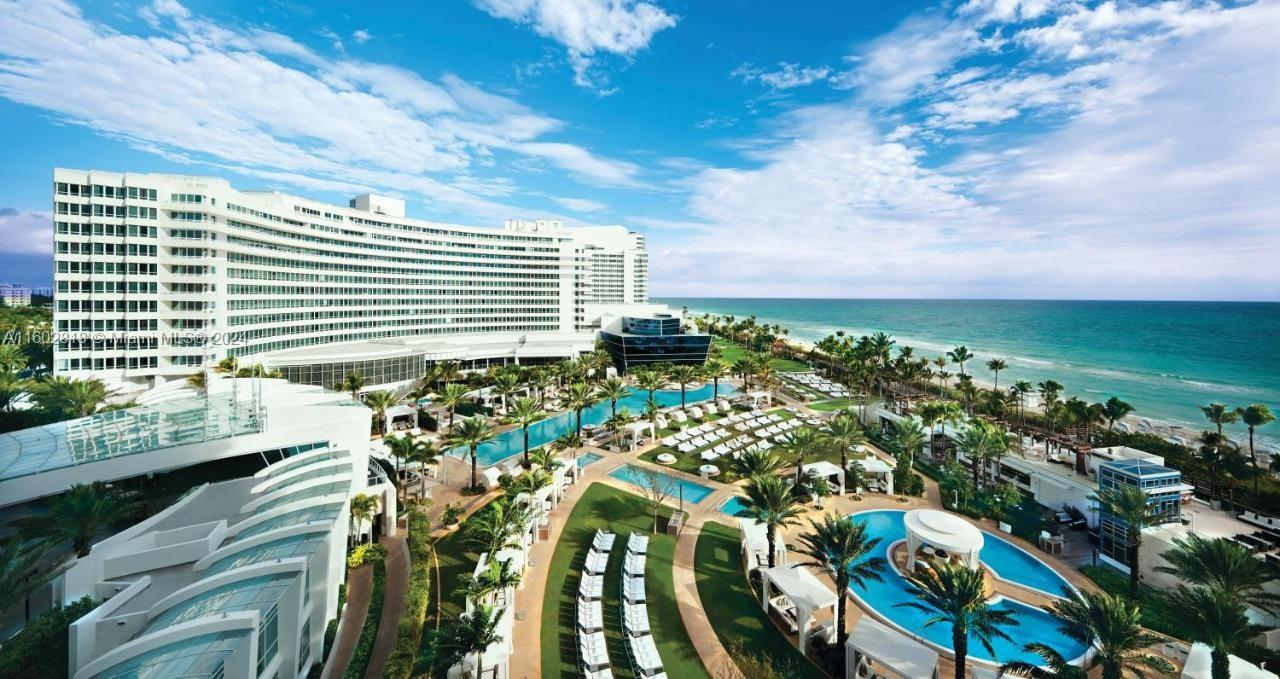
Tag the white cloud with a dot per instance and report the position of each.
(785, 77)
(581, 204)
(214, 93)
(891, 68)
(361, 36)
(25, 233)
(587, 28)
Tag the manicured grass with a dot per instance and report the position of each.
(604, 507)
(733, 608)
(454, 561)
(833, 404)
(731, 352)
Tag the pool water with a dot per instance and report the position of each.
(587, 458)
(510, 443)
(692, 492)
(1034, 624)
(733, 505)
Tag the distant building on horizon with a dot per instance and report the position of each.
(14, 295)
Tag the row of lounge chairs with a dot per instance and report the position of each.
(819, 384)
(642, 652)
(593, 654)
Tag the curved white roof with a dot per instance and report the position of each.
(944, 530)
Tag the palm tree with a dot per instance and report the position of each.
(907, 438)
(714, 369)
(471, 633)
(530, 482)
(1224, 565)
(995, 365)
(1110, 626)
(940, 363)
(398, 447)
(650, 380)
(363, 508)
(379, 402)
(423, 453)
(67, 398)
(753, 463)
(525, 412)
(546, 458)
(955, 594)
(580, 396)
(506, 385)
(79, 515)
(230, 365)
(1211, 617)
(22, 570)
(453, 395)
(352, 384)
(12, 359)
(472, 432)
(570, 440)
(1022, 388)
(845, 432)
(959, 355)
(772, 502)
(802, 442)
(612, 390)
(541, 380)
(497, 576)
(1115, 410)
(1254, 416)
(1128, 504)
(975, 443)
(497, 527)
(1219, 414)
(841, 549)
(684, 375)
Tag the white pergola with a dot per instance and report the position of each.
(874, 466)
(826, 470)
(942, 530)
(884, 652)
(635, 431)
(804, 590)
(755, 545)
(760, 396)
(399, 411)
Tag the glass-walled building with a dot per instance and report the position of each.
(637, 341)
(1163, 487)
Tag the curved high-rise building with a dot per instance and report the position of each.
(159, 275)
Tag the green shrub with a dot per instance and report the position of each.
(40, 650)
(369, 632)
(409, 631)
(452, 513)
(366, 553)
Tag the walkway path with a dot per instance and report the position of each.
(359, 584)
(397, 585)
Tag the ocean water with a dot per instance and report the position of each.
(1165, 358)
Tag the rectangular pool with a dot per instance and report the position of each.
(587, 458)
(693, 492)
(733, 505)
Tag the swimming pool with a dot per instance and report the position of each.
(587, 458)
(733, 505)
(692, 492)
(1034, 624)
(511, 442)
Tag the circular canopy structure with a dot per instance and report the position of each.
(944, 531)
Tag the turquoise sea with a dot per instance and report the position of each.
(1166, 358)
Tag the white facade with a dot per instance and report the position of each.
(161, 263)
(14, 295)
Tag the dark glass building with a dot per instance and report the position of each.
(1163, 486)
(634, 342)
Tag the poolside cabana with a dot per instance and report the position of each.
(755, 545)
(396, 413)
(634, 432)
(938, 530)
(877, 471)
(829, 471)
(874, 650)
(759, 398)
(800, 595)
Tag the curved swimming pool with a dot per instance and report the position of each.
(511, 442)
(1004, 558)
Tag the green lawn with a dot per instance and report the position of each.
(731, 352)
(733, 608)
(455, 560)
(833, 404)
(608, 508)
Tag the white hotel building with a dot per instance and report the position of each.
(153, 262)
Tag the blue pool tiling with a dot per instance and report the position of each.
(693, 492)
(1033, 623)
(733, 505)
(511, 442)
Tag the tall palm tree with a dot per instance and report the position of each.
(453, 395)
(1128, 504)
(1110, 626)
(774, 503)
(423, 453)
(541, 380)
(352, 384)
(471, 633)
(472, 432)
(1115, 410)
(497, 527)
(505, 385)
(940, 363)
(497, 576)
(650, 380)
(906, 437)
(802, 442)
(714, 369)
(995, 365)
(1254, 416)
(1219, 414)
(976, 444)
(684, 375)
(22, 571)
(613, 390)
(79, 515)
(1224, 565)
(845, 432)
(757, 462)
(959, 355)
(546, 458)
(525, 412)
(1211, 617)
(67, 398)
(1022, 388)
(379, 402)
(363, 508)
(398, 447)
(956, 595)
(841, 549)
(568, 441)
(1049, 391)
(578, 397)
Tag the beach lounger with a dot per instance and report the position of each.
(637, 543)
(634, 565)
(670, 441)
(596, 562)
(603, 541)
(686, 447)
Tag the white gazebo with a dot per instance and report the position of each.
(828, 471)
(878, 470)
(801, 594)
(760, 397)
(942, 530)
(875, 650)
(634, 432)
(755, 545)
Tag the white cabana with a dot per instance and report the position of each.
(875, 650)
(827, 470)
(491, 476)
(755, 545)
(1199, 666)
(942, 530)
(634, 432)
(879, 471)
(759, 398)
(399, 412)
(804, 593)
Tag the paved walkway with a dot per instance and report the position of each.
(359, 583)
(397, 585)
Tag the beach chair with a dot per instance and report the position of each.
(638, 544)
(603, 541)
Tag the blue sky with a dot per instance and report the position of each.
(976, 148)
